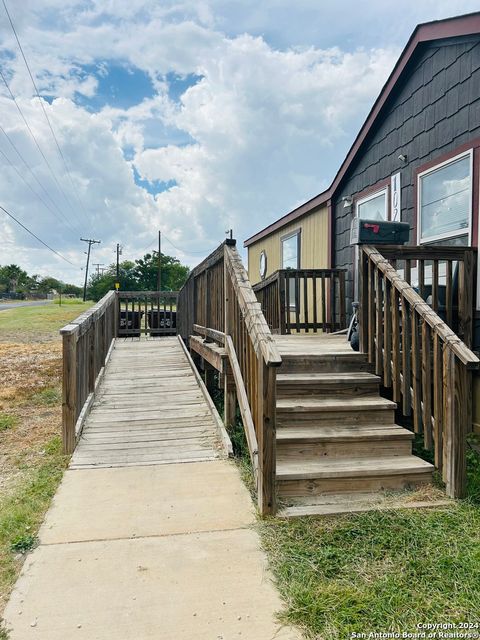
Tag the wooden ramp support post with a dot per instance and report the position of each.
(69, 395)
(266, 403)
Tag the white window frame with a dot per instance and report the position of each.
(371, 196)
(288, 236)
(455, 234)
(359, 202)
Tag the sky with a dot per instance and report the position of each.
(187, 117)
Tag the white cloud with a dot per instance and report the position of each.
(264, 129)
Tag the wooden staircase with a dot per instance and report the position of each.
(337, 442)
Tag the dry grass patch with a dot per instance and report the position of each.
(31, 462)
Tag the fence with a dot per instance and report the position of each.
(147, 312)
(86, 346)
(306, 300)
(219, 302)
(424, 362)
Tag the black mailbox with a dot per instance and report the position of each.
(378, 232)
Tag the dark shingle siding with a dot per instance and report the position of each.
(435, 109)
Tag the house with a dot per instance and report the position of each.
(415, 159)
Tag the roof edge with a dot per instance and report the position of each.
(455, 26)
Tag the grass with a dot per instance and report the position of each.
(22, 511)
(7, 421)
(68, 301)
(380, 571)
(38, 321)
(48, 397)
(32, 463)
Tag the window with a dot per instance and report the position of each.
(445, 200)
(373, 207)
(290, 253)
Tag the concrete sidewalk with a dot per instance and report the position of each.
(166, 552)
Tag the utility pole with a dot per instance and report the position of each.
(90, 242)
(117, 279)
(98, 265)
(119, 253)
(159, 279)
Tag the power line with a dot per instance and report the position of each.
(30, 170)
(35, 236)
(32, 135)
(22, 177)
(188, 253)
(43, 108)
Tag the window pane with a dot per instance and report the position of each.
(445, 199)
(373, 209)
(290, 261)
(290, 252)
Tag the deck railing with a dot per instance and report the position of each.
(87, 342)
(306, 300)
(424, 362)
(219, 302)
(443, 277)
(151, 313)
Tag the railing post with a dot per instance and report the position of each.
(69, 391)
(266, 436)
(281, 303)
(363, 306)
(465, 298)
(93, 356)
(229, 394)
(457, 386)
(117, 314)
(341, 296)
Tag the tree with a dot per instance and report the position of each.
(173, 273)
(140, 275)
(13, 278)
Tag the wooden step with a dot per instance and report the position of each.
(360, 441)
(343, 503)
(340, 383)
(301, 411)
(325, 363)
(341, 475)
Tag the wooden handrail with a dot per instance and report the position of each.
(218, 302)
(87, 343)
(245, 411)
(449, 337)
(303, 300)
(424, 362)
(257, 327)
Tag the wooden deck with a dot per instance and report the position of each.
(149, 409)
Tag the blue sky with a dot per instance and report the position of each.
(189, 117)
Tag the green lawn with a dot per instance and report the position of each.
(379, 571)
(45, 321)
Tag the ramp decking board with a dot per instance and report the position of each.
(149, 410)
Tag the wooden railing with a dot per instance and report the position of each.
(201, 299)
(424, 362)
(219, 302)
(443, 277)
(303, 300)
(87, 343)
(151, 313)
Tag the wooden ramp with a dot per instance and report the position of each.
(150, 409)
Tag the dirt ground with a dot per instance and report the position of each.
(30, 394)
